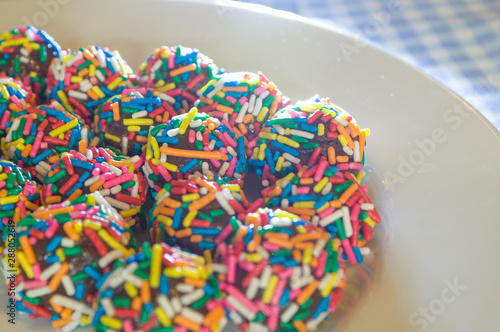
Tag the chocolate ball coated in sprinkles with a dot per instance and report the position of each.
(26, 54)
(84, 79)
(279, 273)
(160, 289)
(179, 72)
(193, 213)
(39, 134)
(123, 122)
(192, 144)
(246, 100)
(114, 176)
(64, 254)
(14, 98)
(300, 134)
(19, 196)
(332, 200)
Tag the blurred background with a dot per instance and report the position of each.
(457, 42)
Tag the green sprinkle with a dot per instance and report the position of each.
(205, 216)
(200, 303)
(75, 251)
(340, 227)
(64, 217)
(216, 213)
(79, 277)
(302, 314)
(78, 200)
(300, 139)
(43, 53)
(17, 65)
(153, 177)
(34, 300)
(84, 65)
(310, 146)
(123, 302)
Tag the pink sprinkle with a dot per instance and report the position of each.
(278, 292)
(259, 90)
(320, 269)
(128, 326)
(303, 190)
(27, 126)
(192, 136)
(343, 166)
(35, 283)
(320, 171)
(243, 100)
(32, 241)
(252, 143)
(51, 230)
(247, 266)
(118, 180)
(37, 270)
(286, 273)
(357, 166)
(348, 251)
(230, 140)
(242, 298)
(223, 235)
(272, 322)
(5, 118)
(174, 93)
(326, 212)
(264, 308)
(294, 293)
(231, 99)
(271, 246)
(355, 212)
(107, 176)
(231, 269)
(180, 329)
(230, 169)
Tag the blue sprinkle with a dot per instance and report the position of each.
(357, 253)
(209, 290)
(302, 198)
(323, 200)
(91, 272)
(186, 168)
(284, 298)
(285, 148)
(206, 231)
(177, 218)
(79, 290)
(206, 245)
(290, 263)
(82, 164)
(52, 259)
(41, 156)
(164, 287)
(53, 244)
(277, 260)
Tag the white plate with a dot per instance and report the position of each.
(440, 220)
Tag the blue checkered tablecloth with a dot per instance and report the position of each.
(455, 41)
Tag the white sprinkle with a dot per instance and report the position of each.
(289, 312)
(176, 304)
(117, 204)
(265, 276)
(109, 257)
(301, 282)
(184, 288)
(108, 306)
(346, 220)
(140, 114)
(252, 289)
(164, 303)
(72, 304)
(331, 218)
(37, 292)
(50, 271)
(192, 315)
(348, 150)
(66, 242)
(240, 308)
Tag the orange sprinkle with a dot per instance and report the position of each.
(75, 194)
(255, 242)
(187, 323)
(307, 292)
(91, 93)
(46, 213)
(342, 159)
(348, 138)
(68, 228)
(172, 203)
(200, 283)
(94, 187)
(301, 171)
(28, 249)
(181, 70)
(297, 255)
(183, 233)
(82, 148)
(306, 181)
(235, 88)
(280, 242)
(61, 322)
(66, 313)
(306, 237)
(282, 236)
(57, 307)
(169, 230)
(331, 155)
(136, 303)
(30, 206)
(206, 100)
(205, 200)
(224, 109)
(348, 193)
(304, 245)
(53, 159)
(116, 111)
(362, 140)
(214, 317)
(56, 279)
(145, 292)
(247, 118)
(336, 204)
(275, 192)
(194, 154)
(301, 211)
(300, 326)
(53, 199)
(243, 129)
(196, 238)
(26, 150)
(84, 72)
(354, 129)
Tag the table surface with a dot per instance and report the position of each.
(457, 42)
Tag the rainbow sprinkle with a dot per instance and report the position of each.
(87, 78)
(160, 289)
(123, 122)
(301, 134)
(196, 213)
(39, 134)
(115, 177)
(179, 72)
(64, 255)
(279, 273)
(25, 54)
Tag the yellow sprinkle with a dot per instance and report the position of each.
(90, 200)
(307, 205)
(154, 276)
(92, 70)
(9, 200)
(128, 213)
(306, 257)
(134, 128)
(64, 100)
(287, 131)
(301, 229)
(268, 293)
(187, 220)
(370, 222)
(289, 142)
(270, 136)
(61, 255)
(262, 150)
(97, 90)
(110, 322)
(325, 206)
(254, 257)
(185, 123)
(262, 114)
(342, 139)
(171, 167)
(165, 220)
(279, 163)
(321, 129)
(173, 272)
(155, 147)
(25, 264)
(113, 85)
(76, 79)
(208, 256)
(320, 185)
(131, 290)
(220, 94)
(326, 291)
(162, 317)
(255, 153)
(138, 122)
(190, 197)
(231, 187)
(211, 82)
(112, 138)
(84, 320)
(77, 226)
(165, 87)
